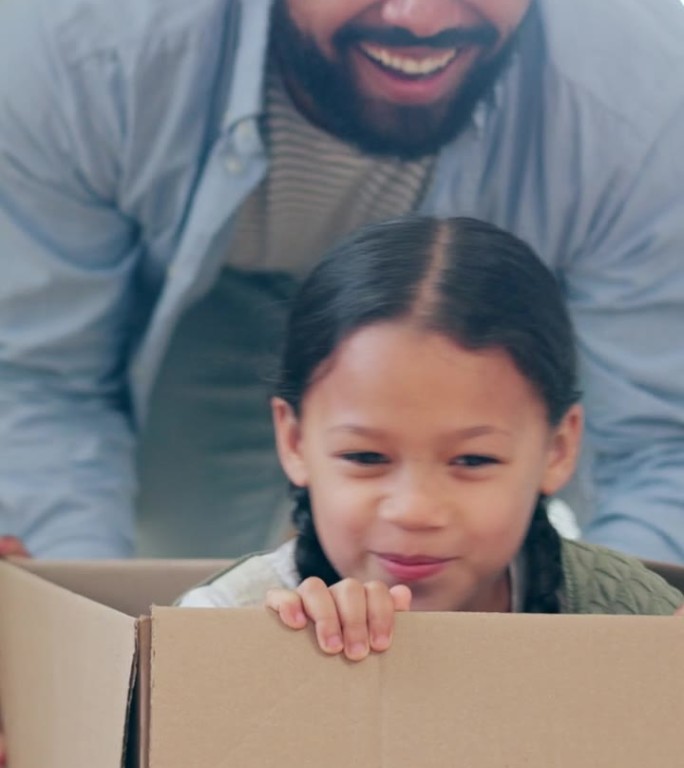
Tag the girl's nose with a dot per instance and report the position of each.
(415, 502)
(427, 17)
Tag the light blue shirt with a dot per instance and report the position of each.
(129, 136)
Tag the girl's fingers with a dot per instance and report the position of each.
(351, 601)
(401, 597)
(380, 615)
(319, 606)
(349, 616)
(288, 605)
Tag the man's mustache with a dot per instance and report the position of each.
(484, 35)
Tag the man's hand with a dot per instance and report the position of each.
(10, 546)
(678, 612)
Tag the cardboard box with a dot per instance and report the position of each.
(86, 683)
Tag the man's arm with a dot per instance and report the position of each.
(67, 260)
(626, 293)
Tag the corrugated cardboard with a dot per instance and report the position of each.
(68, 654)
(235, 688)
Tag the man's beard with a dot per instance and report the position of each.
(326, 93)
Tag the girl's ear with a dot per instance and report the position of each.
(563, 451)
(288, 441)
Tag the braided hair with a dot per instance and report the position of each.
(310, 558)
(466, 280)
(543, 550)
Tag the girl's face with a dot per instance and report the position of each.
(424, 461)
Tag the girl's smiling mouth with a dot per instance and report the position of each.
(411, 568)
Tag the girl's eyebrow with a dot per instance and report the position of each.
(461, 434)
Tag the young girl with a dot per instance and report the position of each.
(426, 409)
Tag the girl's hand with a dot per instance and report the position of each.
(349, 617)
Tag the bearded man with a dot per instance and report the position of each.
(169, 170)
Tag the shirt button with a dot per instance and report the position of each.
(233, 165)
(244, 133)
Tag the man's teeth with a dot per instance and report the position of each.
(408, 66)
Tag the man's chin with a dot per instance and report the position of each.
(385, 129)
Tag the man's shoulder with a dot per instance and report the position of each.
(616, 56)
(85, 28)
(600, 580)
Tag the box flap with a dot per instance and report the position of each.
(129, 586)
(139, 748)
(66, 665)
(234, 687)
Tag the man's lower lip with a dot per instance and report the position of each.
(405, 572)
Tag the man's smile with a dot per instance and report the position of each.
(413, 64)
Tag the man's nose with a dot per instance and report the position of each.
(428, 17)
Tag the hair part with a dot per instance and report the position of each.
(477, 285)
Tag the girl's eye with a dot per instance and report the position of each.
(365, 458)
(472, 461)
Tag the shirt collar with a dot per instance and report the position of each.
(493, 101)
(249, 66)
